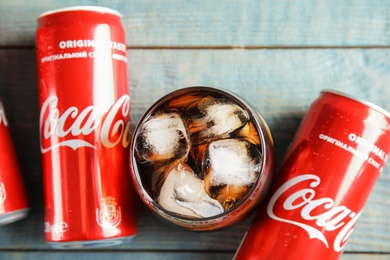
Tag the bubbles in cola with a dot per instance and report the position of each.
(198, 154)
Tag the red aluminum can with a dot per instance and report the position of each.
(13, 197)
(323, 183)
(85, 128)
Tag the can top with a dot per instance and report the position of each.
(362, 101)
(82, 8)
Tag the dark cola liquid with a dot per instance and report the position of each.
(209, 135)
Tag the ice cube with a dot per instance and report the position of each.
(233, 162)
(184, 193)
(215, 118)
(230, 168)
(162, 137)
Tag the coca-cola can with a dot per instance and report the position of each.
(323, 183)
(84, 128)
(13, 198)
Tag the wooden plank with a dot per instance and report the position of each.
(118, 255)
(174, 23)
(152, 234)
(280, 84)
(154, 255)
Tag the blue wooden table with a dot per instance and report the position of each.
(278, 55)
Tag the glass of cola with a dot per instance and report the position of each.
(201, 158)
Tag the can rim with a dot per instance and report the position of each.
(100, 9)
(360, 100)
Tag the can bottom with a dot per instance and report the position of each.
(91, 243)
(13, 216)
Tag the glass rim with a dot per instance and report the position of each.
(260, 127)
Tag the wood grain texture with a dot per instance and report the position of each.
(176, 23)
(149, 256)
(277, 55)
(280, 84)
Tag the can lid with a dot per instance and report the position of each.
(365, 102)
(82, 8)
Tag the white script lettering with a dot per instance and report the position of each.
(303, 200)
(72, 123)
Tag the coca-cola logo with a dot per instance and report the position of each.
(3, 119)
(303, 201)
(66, 129)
